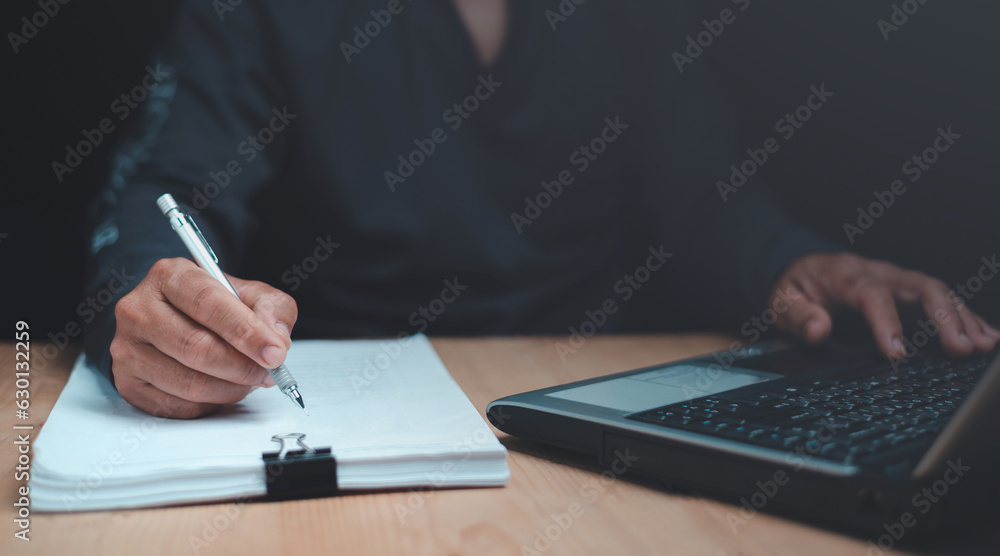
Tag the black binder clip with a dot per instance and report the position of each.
(299, 473)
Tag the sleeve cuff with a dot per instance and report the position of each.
(764, 273)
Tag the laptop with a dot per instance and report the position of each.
(837, 436)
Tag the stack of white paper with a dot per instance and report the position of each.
(389, 410)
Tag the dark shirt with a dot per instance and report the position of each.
(433, 184)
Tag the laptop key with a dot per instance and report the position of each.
(836, 452)
(772, 418)
(867, 432)
(754, 398)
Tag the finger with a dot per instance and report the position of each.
(973, 328)
(877, 305)
(126, 359)
(196, 347)
(800, 316)
(154, 401)
(937, 305)
(274, 306)
(173, 378)
(196, 294)
(989, 330)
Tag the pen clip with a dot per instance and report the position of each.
(204, 242)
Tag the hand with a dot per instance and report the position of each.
(814, 285)
(185, 345)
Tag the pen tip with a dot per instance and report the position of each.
(307, 413)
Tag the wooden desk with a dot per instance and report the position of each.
(624, 516)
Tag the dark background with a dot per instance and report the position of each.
(59, 83)
(939, 69)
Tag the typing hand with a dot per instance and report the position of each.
(815, 285)
(185, 345)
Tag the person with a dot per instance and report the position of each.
(454, 166)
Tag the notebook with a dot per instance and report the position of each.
(387, 410)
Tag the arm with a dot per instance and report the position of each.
(177, 339)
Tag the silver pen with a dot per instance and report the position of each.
(189, 233)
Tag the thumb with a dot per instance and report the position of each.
(275, 307)
(803, 317)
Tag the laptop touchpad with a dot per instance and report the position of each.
(667, 385)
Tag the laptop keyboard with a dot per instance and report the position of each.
(851, 419)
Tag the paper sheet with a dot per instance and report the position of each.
(388, 409)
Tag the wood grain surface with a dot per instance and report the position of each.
(556, 502)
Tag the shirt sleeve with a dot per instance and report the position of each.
(198, 136)
(731, 238)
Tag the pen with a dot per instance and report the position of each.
(189, 233)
